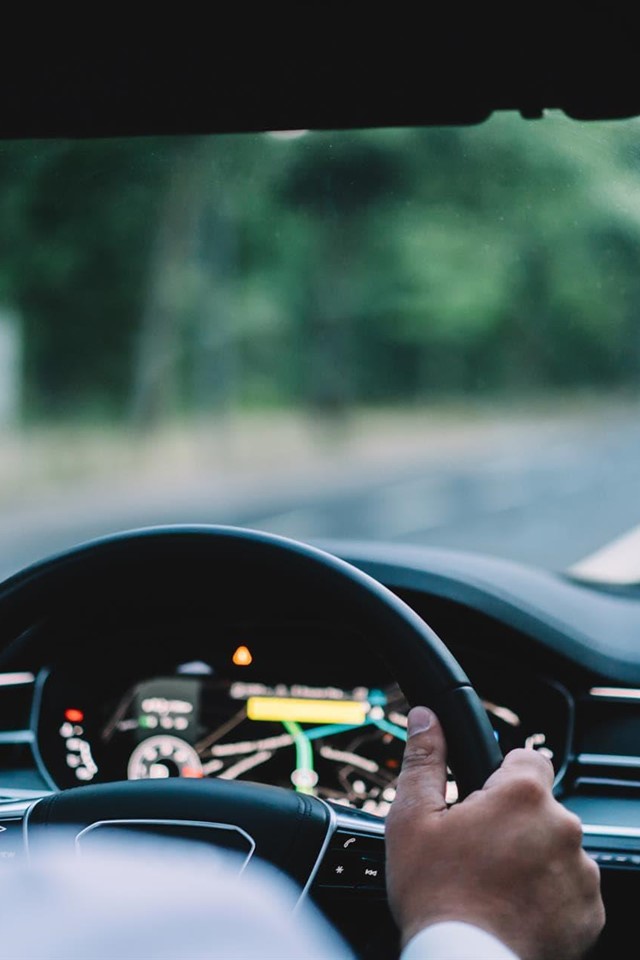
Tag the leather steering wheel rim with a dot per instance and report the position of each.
(143, 562)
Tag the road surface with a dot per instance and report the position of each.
(540, 495)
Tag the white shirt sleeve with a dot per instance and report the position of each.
(452, 940)
(138, 899)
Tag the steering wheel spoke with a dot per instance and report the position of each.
(13, 823)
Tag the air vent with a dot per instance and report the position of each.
(16, 693)
(608, 740)
(600, 772)
(613, 852)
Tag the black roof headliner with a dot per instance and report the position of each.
(318, 77)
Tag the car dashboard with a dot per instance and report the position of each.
(296, 705)
(306, 704)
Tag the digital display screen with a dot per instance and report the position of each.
(340, 743)
(343, 745)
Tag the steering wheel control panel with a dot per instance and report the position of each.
(354, 861)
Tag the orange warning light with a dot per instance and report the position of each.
(74, 716)
(242, 657)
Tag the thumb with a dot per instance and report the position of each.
(423, 778)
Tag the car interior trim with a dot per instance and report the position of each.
(601, 782)
(17, 736)
(15, 809)
(150, 822)
(25, 826)
(331, 829)
(33, 723)
(348, 821)
(18, 795)
(608, 830)
(607, 760)
(615, 693)
(15, 679)
(563, 616)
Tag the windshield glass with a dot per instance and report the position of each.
(428, 336)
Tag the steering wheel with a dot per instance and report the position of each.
(299, 833)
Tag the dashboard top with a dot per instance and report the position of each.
(595, 629)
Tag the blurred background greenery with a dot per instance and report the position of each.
(420, 334)
(151, 278)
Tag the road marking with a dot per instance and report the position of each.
(618, 562)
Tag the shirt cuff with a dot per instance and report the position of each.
(453, 940)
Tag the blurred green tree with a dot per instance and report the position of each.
(160, 275)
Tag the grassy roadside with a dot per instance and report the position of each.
(262, 448)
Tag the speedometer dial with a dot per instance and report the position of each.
(160, 757)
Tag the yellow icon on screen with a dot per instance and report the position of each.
(307, 711)
(242, 657)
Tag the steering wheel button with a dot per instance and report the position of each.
(371, 873)
(339, 870)
(358, 843)
(347, 841)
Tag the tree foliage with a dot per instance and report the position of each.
(328, 269)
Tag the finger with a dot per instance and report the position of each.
(423, 777)
(522, 763)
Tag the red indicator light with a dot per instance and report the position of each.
(74, 716)
(191, 772)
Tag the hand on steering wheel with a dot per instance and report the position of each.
(291, 830)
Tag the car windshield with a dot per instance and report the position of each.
(425, 336)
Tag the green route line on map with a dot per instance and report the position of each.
(304, 752)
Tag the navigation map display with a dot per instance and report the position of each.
(343, 745)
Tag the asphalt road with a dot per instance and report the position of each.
(548, 505)
(545, 498)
